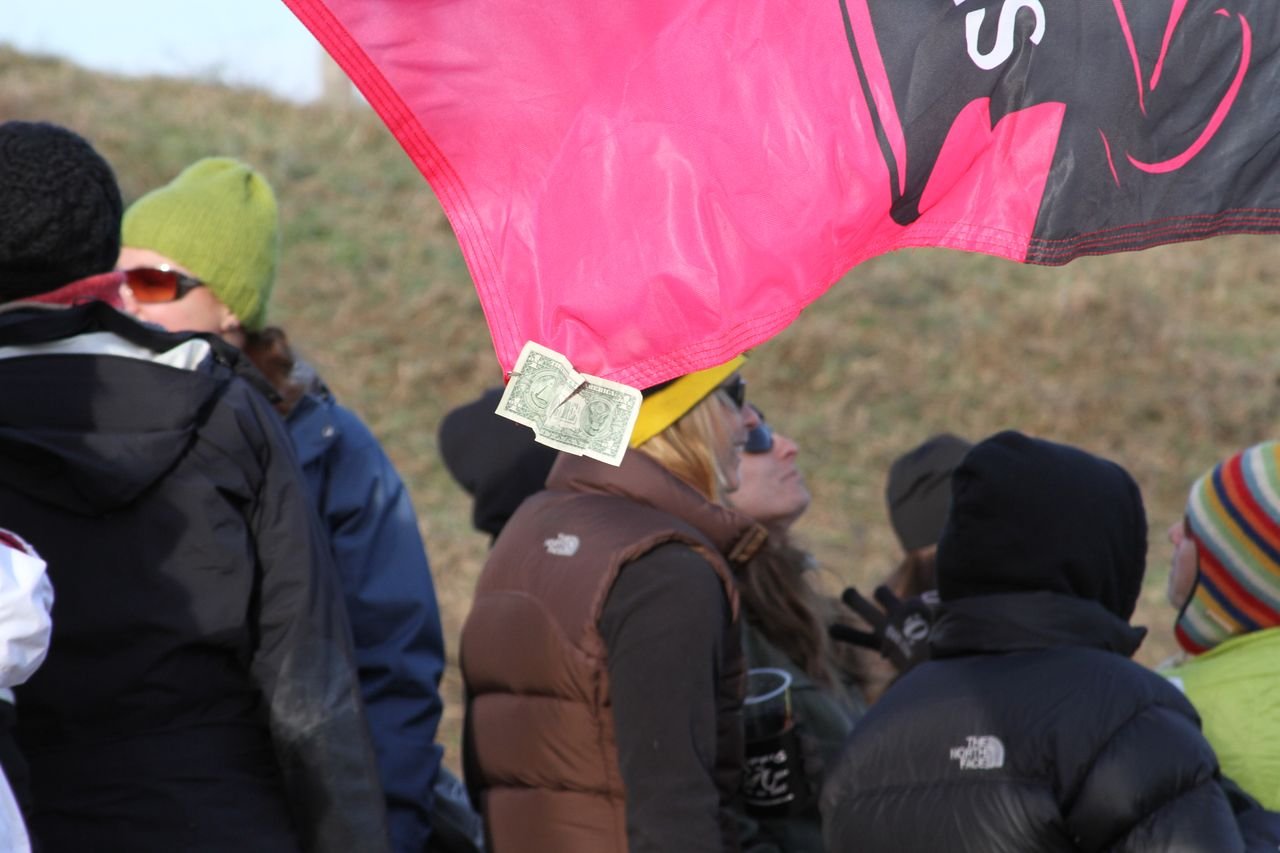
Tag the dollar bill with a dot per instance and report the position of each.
(570, 411)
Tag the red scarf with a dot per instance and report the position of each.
(104, 287)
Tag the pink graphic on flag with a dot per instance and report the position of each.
(653, 187)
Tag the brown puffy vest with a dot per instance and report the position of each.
(540, 720)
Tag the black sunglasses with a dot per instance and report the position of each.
(736, 390)
(160, 284)
(759, 437)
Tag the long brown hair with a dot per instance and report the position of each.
(916, 574)
(781, 601)
(270, 352)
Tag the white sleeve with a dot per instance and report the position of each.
(26, 597)
(13, 831)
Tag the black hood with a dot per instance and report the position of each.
(1029, 515)
(90, 432)
(494, 459)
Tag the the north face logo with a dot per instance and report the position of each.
(980, 752)
(564, 545)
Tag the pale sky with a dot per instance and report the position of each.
(244, 42)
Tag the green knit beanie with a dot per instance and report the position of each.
(218, 219)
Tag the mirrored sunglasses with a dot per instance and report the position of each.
(160, 284)
(759, 437)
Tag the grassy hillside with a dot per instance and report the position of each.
(1163, 360)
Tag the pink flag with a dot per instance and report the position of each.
(650, 187)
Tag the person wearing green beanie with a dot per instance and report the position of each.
(200, 254)
(217, 222)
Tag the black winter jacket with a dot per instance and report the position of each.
(199, 692)
(1032, 732)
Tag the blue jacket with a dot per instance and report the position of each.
(390, 599)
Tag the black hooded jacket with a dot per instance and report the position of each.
(1031, 730)
(199, 692)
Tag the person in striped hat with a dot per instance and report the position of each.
(1225, 583)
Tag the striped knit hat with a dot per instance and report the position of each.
(1234, 516)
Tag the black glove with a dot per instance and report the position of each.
(900, 631)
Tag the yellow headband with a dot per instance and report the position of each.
(663, 408)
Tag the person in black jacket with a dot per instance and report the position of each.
(199, 692)
(217, 223)
(1031, 729)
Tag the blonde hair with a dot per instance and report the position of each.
(691, 448)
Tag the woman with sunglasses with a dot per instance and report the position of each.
(785, 627)
(200, 255)
(1225, 584)
(601, 655)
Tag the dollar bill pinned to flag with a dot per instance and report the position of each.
(570, 411)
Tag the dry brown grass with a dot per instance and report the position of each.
(1162, 361)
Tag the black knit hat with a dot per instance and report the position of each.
(494, 459)
(919, 489)
(1029, 515)
(60, 210)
